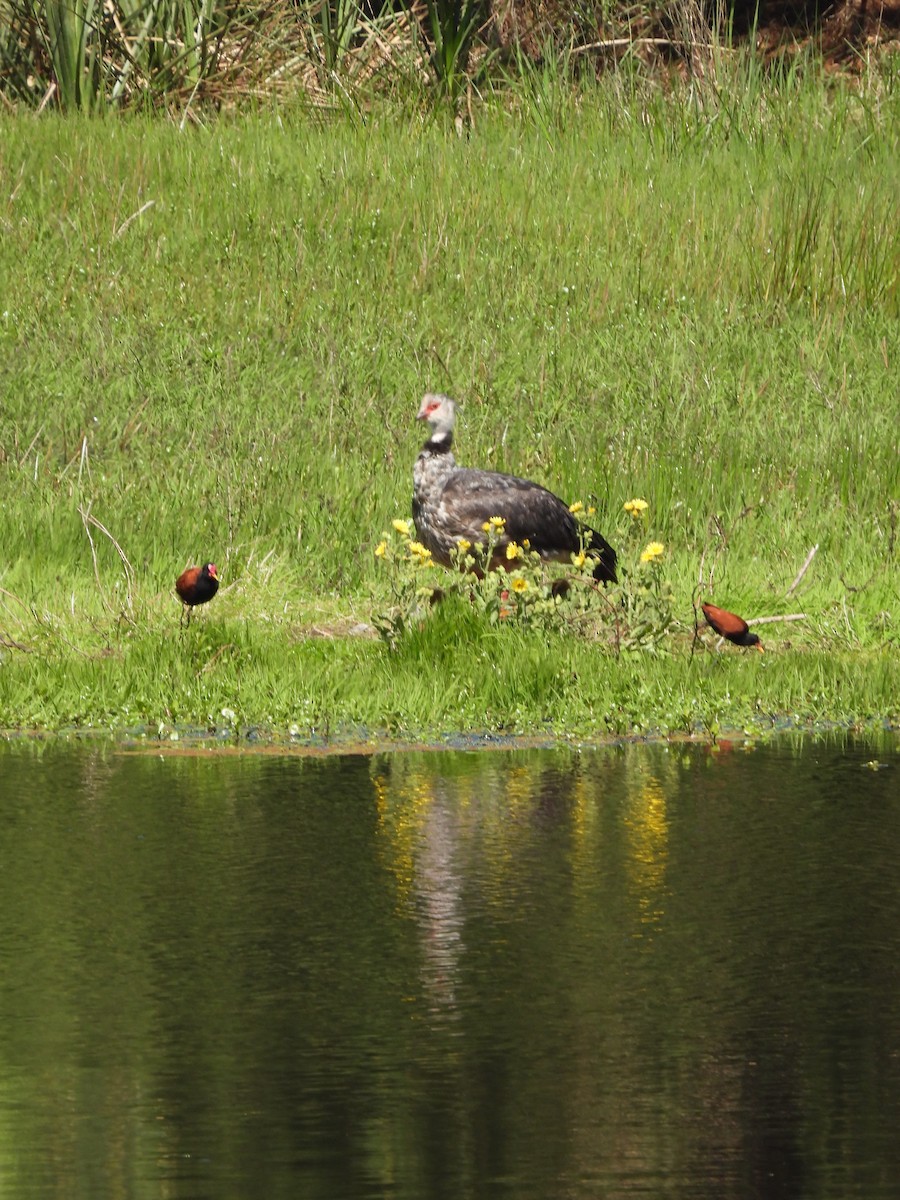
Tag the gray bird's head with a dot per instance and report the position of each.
(439, 411)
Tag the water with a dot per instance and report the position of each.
(626, 972)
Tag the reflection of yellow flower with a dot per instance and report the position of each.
(653, 550)
(518, 584)
(578, 560)
(463, 545)
(513, 551)
(635, 507)
(401, 526)
(576, 507)
(381, 550)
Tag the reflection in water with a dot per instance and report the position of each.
(426, 864)
(636, 971)
(647, 833)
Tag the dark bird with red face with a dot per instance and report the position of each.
(196, 585)
(451, 503)
(729, 625)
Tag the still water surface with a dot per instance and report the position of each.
(638, 971)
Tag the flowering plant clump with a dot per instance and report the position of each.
(411, 568)
(504, 580)
(645, 618)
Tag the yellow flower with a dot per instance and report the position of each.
(381, 550)
(463, 545)
(401, 526)
(497, 522)
(591, 510)
(578, 560)
(653, 550)
(518, 584)
(513, 551)
(635, 507)
(576, 507)
(417, 550)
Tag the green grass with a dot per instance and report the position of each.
(232, 675)
(214, 342)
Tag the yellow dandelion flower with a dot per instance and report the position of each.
(486, 527)
(401, 526)
(526, 544)
(463, 545)
(576, 507)
(381, 550)
(591, 510)
(519, 584)
(417, 550)
(635, 507)
(498, 522)
(578, 560)
(653, 550)
(513, 550)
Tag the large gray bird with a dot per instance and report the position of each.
(451, 502)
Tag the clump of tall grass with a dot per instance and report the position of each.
(184, 55)
(82, 55)
(85, 56)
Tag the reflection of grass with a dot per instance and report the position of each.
(231, 374)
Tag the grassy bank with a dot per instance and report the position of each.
(239, 675)
(213, 343)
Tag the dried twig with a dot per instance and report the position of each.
(21, 603)
(31, 446)
(134, 216)
(625, 43)
(84, 519)
(9, 643)
(771, 620)
(187, 112)
(802, 571)
(48, 96)
(87, 520)
(208, 666)
(861, 587)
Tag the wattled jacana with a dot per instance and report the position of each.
(729, 625)
(197, 585)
